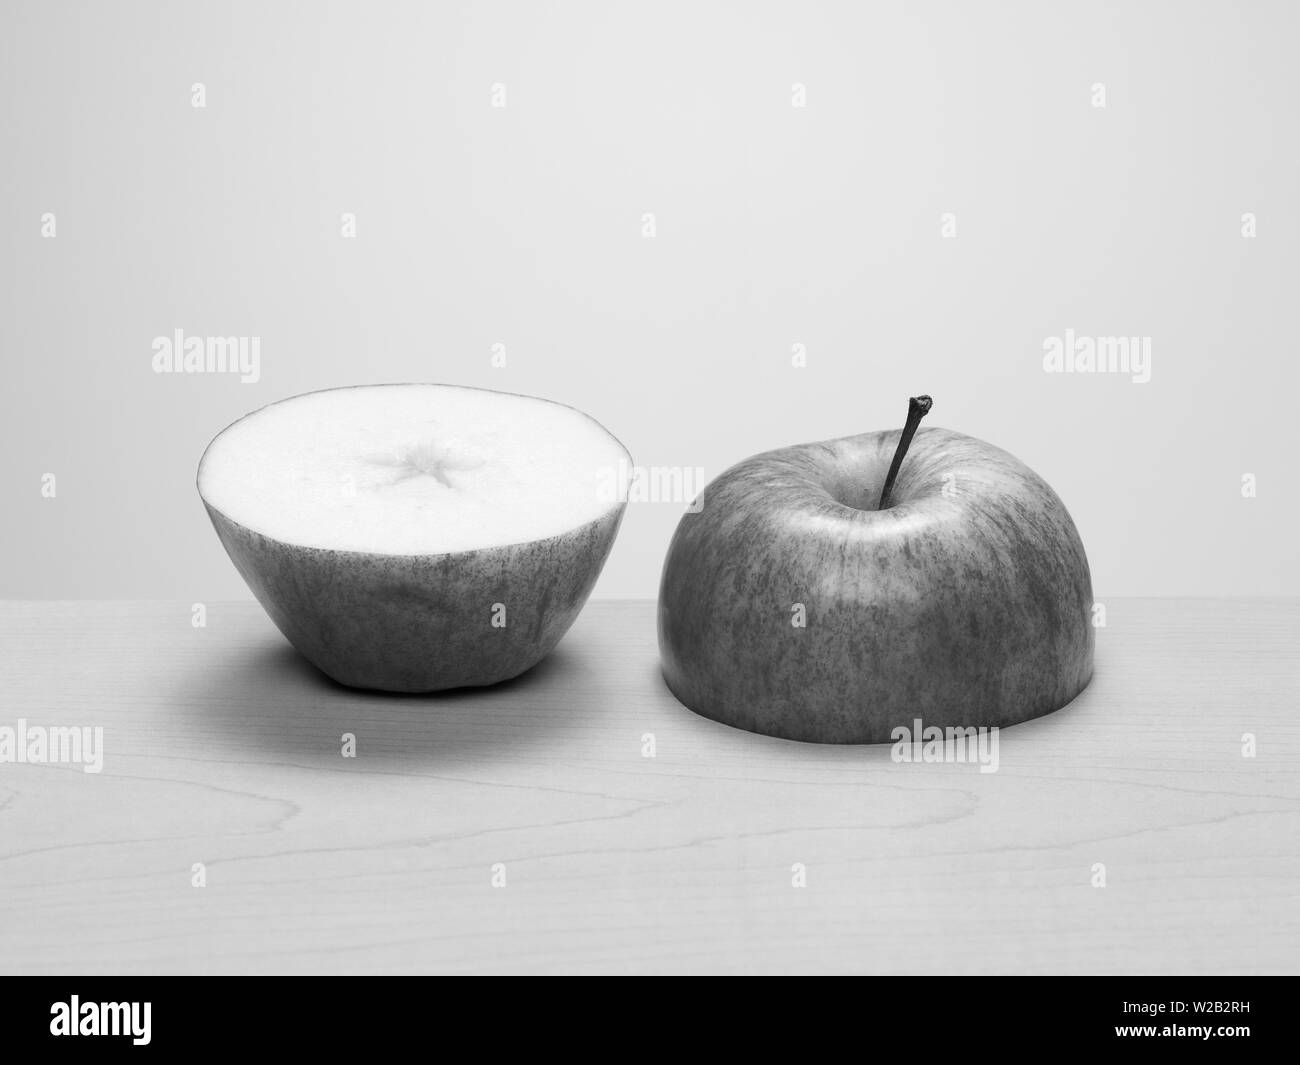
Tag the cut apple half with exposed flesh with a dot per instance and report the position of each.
(417, 537)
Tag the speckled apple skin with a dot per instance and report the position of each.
(422, 623)
(965, 608)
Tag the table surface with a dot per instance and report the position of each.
(223, 747)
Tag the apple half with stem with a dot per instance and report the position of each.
(834, 591)
(412, 538)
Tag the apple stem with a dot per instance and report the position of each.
(917, 408)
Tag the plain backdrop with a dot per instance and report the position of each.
(775, 225)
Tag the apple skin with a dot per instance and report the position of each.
(965, 608)
(421, 623)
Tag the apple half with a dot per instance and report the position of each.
(413, 538)
(792, 605)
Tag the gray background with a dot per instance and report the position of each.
(776, 226)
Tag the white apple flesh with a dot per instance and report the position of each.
(413, 538)
(791, 606)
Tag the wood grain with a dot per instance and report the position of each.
(223, 747)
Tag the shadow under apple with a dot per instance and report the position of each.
(267, 700)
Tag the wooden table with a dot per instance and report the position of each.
(222, 747)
